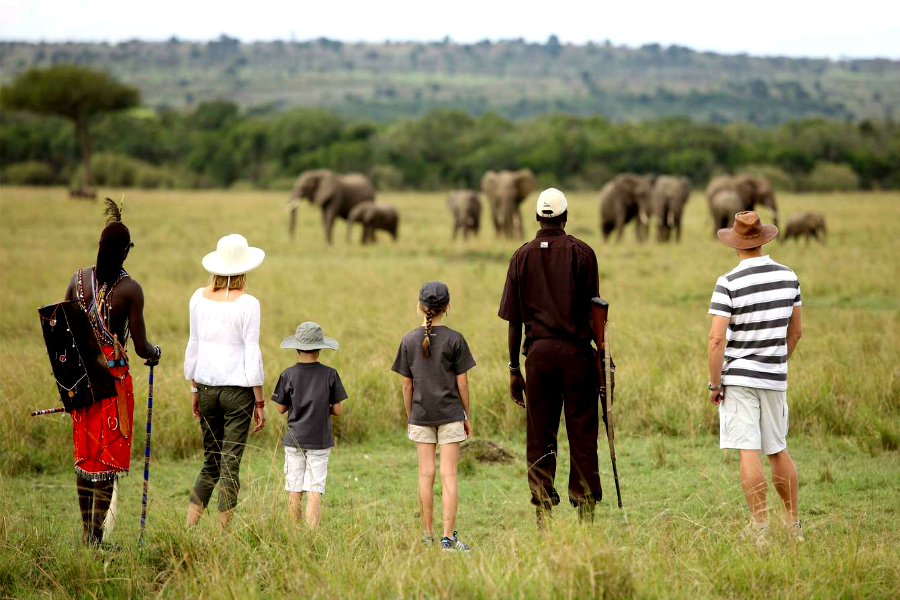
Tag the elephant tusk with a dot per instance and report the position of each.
(292, 204)
(644, 219)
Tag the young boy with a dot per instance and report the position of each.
(309, 392)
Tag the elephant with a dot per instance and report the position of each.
(751, 190)
(335, 194)
(505, 191)
(373, 216)
(807, 224)
(668, 198)
(624, 198)
(466, 209)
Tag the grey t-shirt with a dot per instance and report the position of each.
(435, 395)
(309, 389)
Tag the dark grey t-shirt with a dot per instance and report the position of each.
(435, 395)
(309, 389)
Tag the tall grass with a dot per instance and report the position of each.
(679, 535)
(844, 378)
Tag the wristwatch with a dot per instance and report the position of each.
(195, 390)
(714, 389)
(513, 369)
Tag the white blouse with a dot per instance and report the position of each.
(224, 345)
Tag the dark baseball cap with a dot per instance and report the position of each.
(434, 294)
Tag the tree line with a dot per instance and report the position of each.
(219, 145)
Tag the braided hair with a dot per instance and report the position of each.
(115, 241)
(430, 314)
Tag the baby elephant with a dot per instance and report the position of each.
(807, 224)
(373, 216)
(466, 208)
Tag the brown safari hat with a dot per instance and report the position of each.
(747, 232)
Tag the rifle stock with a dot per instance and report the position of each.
(599, 314)
(607, 378)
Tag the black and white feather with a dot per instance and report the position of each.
(113, 211)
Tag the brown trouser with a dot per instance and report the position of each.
(560, 374)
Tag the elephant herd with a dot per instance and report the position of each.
(350, 197)
(628, 197)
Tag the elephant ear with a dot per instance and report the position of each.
(327, 189)
(525, 182)
(489, 183)
(356, 213)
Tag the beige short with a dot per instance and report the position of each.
(753, 419)
(447, 433)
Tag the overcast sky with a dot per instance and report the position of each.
(861, 28)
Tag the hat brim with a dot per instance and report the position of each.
(327, 343)
(213, 263)
(729, 238)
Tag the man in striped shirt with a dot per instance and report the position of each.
(755, 312)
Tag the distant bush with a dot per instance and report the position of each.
(387, 177)
(779, 178)
(29, 173)
(123, 171)
(217, 145)
(283, 184)
(831, 177)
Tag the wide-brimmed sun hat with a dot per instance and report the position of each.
(309, 337)
(551, 203)
(233, 256)
(747, 232)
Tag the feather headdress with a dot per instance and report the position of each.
(113, 211)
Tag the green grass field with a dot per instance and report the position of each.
(683, 500)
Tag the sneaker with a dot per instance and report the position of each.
(757, 533)
(453, 544)
(428, 540)
(797, 532)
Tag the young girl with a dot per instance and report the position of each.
(433, 361)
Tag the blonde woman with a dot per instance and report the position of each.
(224, 365)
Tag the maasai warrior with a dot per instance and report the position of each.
(102, 431)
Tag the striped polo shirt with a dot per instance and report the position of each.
(758, 297)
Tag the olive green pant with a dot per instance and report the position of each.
(225, 415)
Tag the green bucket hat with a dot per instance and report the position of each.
(309, 337)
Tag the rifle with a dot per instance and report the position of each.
(606, 371)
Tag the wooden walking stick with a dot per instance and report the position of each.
(606, 371)
(146, 459)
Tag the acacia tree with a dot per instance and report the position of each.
(74, 92)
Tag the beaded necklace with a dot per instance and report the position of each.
(98, 310)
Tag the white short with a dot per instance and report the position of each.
(753, 419)
(305, 470)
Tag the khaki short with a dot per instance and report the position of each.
(753, 419)
(449, 433)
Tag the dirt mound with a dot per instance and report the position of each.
(486, 451)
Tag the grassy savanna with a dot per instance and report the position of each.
(684, 504)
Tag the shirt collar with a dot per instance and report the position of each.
(756, 260)
(551, 232)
